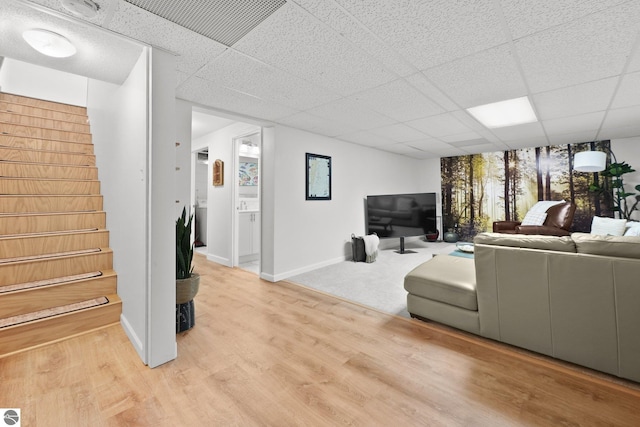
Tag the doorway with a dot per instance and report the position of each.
(247, 153)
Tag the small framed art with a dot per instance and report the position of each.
(318, 177)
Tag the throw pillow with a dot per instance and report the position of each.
(534, 218)
(632, 228)
(603, 226)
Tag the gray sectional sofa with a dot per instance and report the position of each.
(575, 298)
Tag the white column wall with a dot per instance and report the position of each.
(161, 286)
(118, 117)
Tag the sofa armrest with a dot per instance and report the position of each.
(501, 226)
(542, 230)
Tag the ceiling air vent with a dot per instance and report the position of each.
(223, 21)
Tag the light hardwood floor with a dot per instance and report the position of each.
(278, 354)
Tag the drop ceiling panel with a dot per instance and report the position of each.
(622, 117)
(466, 136)
(317, 124)
(584, 50)
(480, 148)
(420, 82)
(245, 74)
(575, 100)
(584, 122)
(573, 138)
(628, 93)
(434, 32)
(398, 133)
(207, 93)
(291, 40)
(514, 133)
(437, 148)
(348, 27)
(352, 112)
(399, 100)
(104, 12)
(194, 49)
(488, 76)
(365, 138)
(526, 143)
(524, 18)
(440, 125)
(400, 149)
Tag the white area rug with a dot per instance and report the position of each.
(378, 284)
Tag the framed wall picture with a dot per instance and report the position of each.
(218, 173)
(318, 177)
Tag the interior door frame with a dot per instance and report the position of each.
(235, 206)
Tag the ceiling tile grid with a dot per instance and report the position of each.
(575, 100)
(440, 125)
(208, 93)
(398, 133)
(567, 125)
(528, 17)
(484, 77)
(584, 50)
(353, 112)
(628, 94)
(194, 50)
(348, 27)
(245, 74)
(399, 100)
(290, 40)
(394, 75)
(434, 32)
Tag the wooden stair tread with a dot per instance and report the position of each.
(53, 311)
(45, 233)
(46, 256)
(55, 281)
(41, 103)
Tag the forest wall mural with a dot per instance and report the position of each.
(481, 188)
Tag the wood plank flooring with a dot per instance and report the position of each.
(279, 354)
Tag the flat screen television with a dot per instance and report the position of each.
(401, 215)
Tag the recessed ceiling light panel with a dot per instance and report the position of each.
(49, 43)
(81, 8)
(504, 113)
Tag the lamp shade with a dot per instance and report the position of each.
(590, 161)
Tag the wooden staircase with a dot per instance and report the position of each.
(56, 267)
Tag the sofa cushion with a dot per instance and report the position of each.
(534, 218)
(616, 246)
(548, 243)
(607, 226)
(447, 279)
(632, 228)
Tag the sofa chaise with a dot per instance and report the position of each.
(575, 298)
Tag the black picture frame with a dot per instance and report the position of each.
(318, 177)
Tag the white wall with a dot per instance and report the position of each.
(220, 199)
(183, 156)
(628, 150)
(311, 234)
(22, 78)
(119, 126)
(161, 190)
(134, 141)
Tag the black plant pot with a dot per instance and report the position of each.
(185, 316)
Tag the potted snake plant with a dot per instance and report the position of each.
(187, 282)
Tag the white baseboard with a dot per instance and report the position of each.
(291, 273)
(220, 260)
(133, 337)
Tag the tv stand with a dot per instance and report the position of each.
(402, 251)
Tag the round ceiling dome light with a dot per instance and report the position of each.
(82, 8)
(49, 43)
